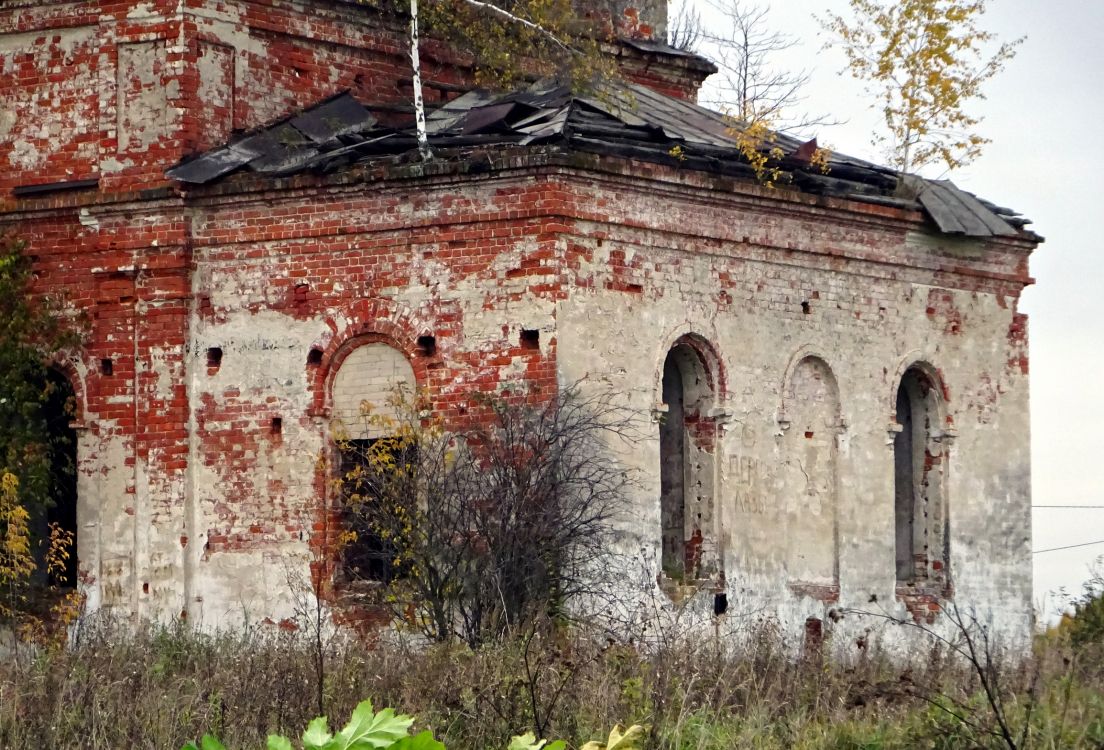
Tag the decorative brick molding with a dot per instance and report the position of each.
(828, 593)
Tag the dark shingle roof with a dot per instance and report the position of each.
(627, 120)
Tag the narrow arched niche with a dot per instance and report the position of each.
(807, 500)
(919, 467)
(687, 447)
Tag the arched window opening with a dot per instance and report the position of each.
(687, 437)
(920, 517)
(57, 521)
(672, 452)
(372, 392)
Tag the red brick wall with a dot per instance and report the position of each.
(123, 90)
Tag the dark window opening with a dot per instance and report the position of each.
(214, 357)
(60, 513)
(920, 513)
(904, 488)
(371, 556)
(107, 367)
(314, 357)
(672, 472)
(277, 425)
(814, 637)
(687, 436)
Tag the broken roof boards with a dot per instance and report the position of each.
(625, 120)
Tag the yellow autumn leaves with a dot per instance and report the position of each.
(924, 61)
(18, 567)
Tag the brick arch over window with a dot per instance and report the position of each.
(372, 374)
(711, 365)
(920, 464)
(74, 372)
(366, 322)
(690, 379)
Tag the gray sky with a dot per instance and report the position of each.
(1042, 114)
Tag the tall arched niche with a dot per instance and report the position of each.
(807, 498)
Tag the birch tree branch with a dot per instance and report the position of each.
(419, 101)
(492, 8)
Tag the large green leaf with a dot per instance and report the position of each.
(529, 741)
(317, 735)
(621, 739)
(422, 741)
(627, 739)
(210, 743)
(371, 731)
(276, 742)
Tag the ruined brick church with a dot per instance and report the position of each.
(833, 371)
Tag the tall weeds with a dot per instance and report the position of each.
(159, 689)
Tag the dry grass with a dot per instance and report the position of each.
(159, 689)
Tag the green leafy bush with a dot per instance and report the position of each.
(366, 730)
(386, 730)
(1086, 625)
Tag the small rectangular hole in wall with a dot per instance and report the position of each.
(277, 425)
(805, 308)
(530, 338)
(214, 357)
(814, 636)
(427, 345)
(107, 367)
(315, 357)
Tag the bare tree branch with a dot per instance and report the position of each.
(496, 525)
(753, 83)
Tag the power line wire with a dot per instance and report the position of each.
(1069, 506)
(1068, 546)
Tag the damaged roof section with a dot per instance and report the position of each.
(321, 133)
(628, 120)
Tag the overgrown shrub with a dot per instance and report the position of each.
(492, 526)
(37, 570)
